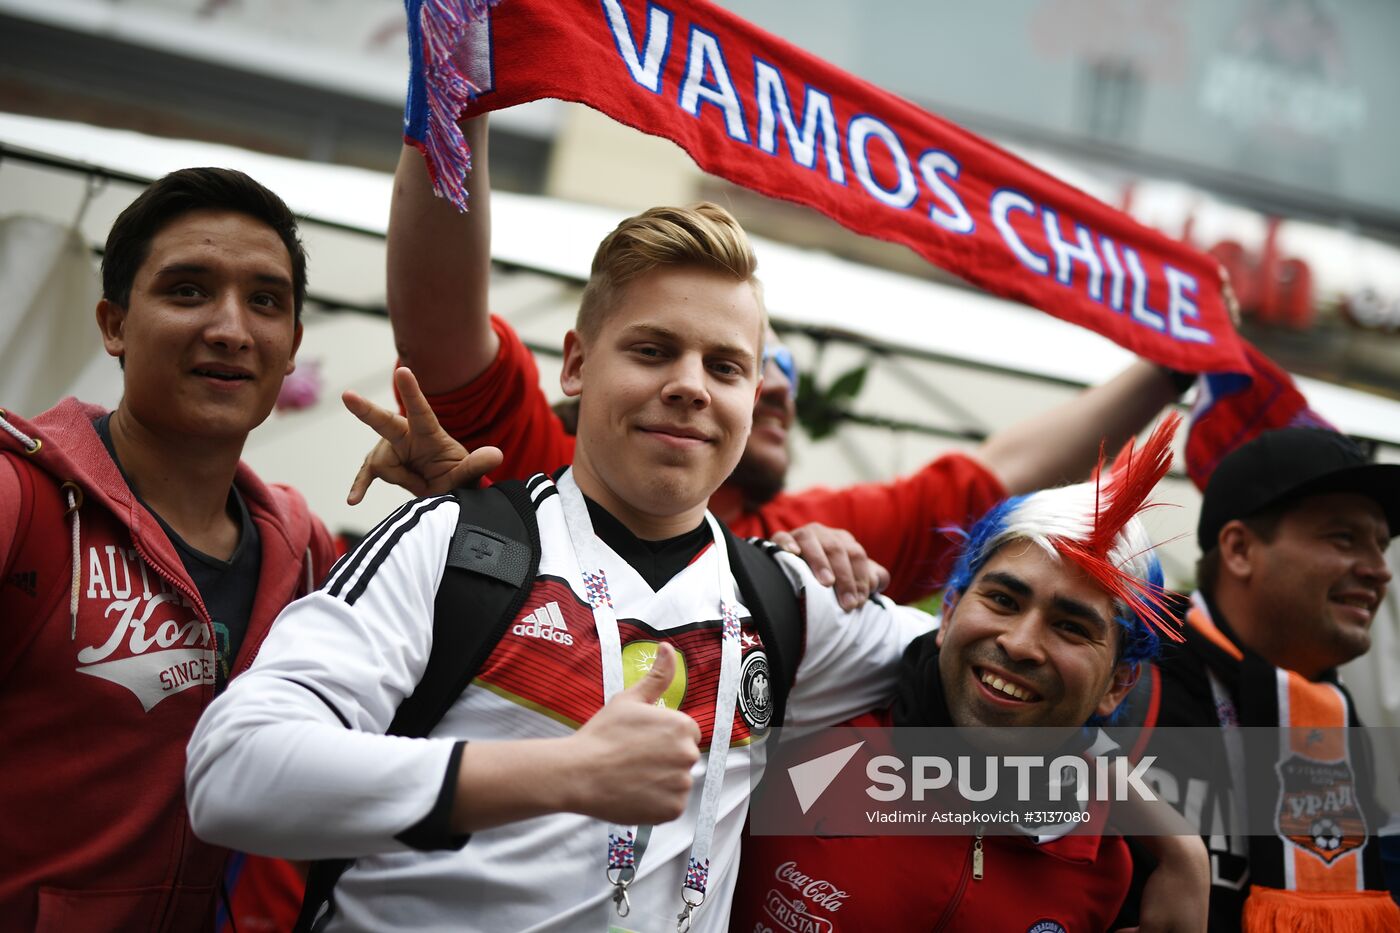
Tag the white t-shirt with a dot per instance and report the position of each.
(273, 768)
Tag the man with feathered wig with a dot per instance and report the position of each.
(1055, 600)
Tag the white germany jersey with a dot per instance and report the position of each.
(354, 650)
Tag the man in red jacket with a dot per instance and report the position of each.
(484, 387)
(141, 564)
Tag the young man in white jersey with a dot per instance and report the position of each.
(564, 756)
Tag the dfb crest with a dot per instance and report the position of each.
(756, 692)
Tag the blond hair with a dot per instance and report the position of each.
(704, 236)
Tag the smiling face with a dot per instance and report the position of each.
(762, 470)
(666, 391)
(1032, 641)
(1310, 593)
(209, 331)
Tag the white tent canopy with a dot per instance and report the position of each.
(983, 343)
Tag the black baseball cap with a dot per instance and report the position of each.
(1291, 463)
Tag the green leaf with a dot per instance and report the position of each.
(848, 384)
(821, 411)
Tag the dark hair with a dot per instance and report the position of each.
(1264, 524)
(179, 193)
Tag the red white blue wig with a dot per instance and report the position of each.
(1095, 525)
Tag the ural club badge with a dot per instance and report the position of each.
(1317, 807)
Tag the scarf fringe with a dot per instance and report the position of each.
(444, 26)
(1270, 910)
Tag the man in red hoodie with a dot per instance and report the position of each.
(141, 564)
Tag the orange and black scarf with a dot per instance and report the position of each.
(1311, 784)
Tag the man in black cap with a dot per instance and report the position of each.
(1293, 532)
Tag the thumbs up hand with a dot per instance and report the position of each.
(632, 760)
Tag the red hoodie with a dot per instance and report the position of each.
(94, 722)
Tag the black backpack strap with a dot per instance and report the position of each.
(494, 554)
(777, 613)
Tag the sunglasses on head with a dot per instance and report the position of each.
(781, 357)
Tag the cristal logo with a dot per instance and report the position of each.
(821, 893)
(167, 654)
(547, 623)
(792, 916)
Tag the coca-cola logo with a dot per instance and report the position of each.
(820, 892)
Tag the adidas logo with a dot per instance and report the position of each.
(546, 622)
(25, 582)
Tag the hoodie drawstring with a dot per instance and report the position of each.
(74, 494)
(75, 502)
(31, 445)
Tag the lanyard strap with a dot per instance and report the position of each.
(623, 852)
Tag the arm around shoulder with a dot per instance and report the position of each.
(850, 659)
(903, 523)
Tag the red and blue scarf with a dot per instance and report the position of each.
(756, 110)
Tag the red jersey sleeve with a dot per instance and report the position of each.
(504, 407)
(902, 524)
